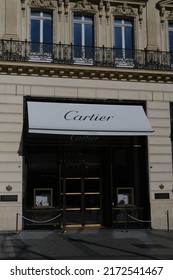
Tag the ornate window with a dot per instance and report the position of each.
(41, 31)
(83, 31)
(166, 19)
(83, 37)
(123, 37)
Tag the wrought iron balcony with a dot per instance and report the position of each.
(12, 50)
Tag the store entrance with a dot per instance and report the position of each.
(81, 194)
(85, 182)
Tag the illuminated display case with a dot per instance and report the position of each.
(125, 197)
(43, 198)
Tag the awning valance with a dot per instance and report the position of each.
(87, 119)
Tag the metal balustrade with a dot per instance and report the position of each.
(13, 50)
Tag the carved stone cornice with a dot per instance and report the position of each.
(125, 10)
(84, 6)
(129, 10)
(41, 3)
(85, 72)
(38, 3)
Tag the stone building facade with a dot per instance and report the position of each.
(106, 53)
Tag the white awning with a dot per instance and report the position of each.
(87, 119)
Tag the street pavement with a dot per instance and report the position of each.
(87, 244)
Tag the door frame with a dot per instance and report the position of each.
(84, 194)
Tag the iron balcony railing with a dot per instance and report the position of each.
(12, 50)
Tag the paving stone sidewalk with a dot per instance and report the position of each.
(87, 244)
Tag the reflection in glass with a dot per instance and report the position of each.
(73, 201)
(92, 185)
(92, 201)
(73, 185)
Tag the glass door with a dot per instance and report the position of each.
(81, 195)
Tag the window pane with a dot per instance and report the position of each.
(77, 17)
(170, 34)
(118, 21)
(171, 41)
(35, 35)
(88, 35)
(118, 37)
(77, 34)
(170, 24)
(47, 35)
(128, 22)
(77, 40)
(41, 31)
(35, 31)
(35, 13)
(171, 45)
(128, 38)
(88, 19)
(83, 36)
(47, 15)
(88, 41)
(47, 31)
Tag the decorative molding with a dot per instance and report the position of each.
(66, 4)
(125, 10)
(82, 72)
(140, 13)
(23, 4)
(130, 11)
(165, 8)
(9, 188)
(84, 6)
(42, 3)
(60, 6)
(38, 3)
(100, 8)
(107, 9)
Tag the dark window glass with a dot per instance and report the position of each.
(47, 31)
(35, 35)
(88, 35)
(83, 36)
(118, 37)
(171, 41)
(41, 34)
(35, 13)
(170, 34)
(77, 17)
(128, 38)
(47, 36)
(77, 34)
(123, 38)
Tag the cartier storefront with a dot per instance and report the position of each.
(86, 161)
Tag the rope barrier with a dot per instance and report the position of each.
(39, 222)
(142, 221)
